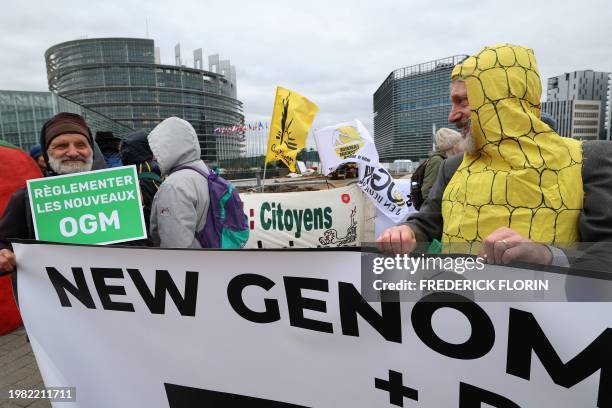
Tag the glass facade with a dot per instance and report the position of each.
(408, 105)
(118, 77)
(22, 115)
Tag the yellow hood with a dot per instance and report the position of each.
(522, 174)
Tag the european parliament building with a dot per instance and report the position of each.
(409, 104)
(121, 78)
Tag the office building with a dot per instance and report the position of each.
(579, 119)
(408, 105)
(22, 115)
(571, 100)
(123, 79)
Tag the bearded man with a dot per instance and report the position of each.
(520, 191)
(67, 147)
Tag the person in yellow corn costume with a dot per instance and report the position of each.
(518, 181)
(519, 173)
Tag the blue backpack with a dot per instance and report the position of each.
(226, 223)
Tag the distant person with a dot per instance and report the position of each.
(16, 163)
(448, 143)
(180, 207)
(109, 145)
(37, 156)
(67, 148)
(135, 150)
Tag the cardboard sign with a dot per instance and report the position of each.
(96, 207)
(139, 327)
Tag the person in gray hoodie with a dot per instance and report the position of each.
(180, 206)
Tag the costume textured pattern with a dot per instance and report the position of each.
(522, 174)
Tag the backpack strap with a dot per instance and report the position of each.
(149, 175)
(183, 167)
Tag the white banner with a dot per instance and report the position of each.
(207, 328)
(309, 219)
(348, 142)
(382, 221)
(379, 186)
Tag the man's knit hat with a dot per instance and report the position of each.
(64, 123)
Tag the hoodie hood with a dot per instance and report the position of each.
(504, 90)
(522, 174)
(174, 142)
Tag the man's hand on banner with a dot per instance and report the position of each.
(397, 240)
(7, 261)
(505, 245)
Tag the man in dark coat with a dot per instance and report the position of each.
(520, 192)
(109, 145)
(67, 146)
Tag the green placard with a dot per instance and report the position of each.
(96, 207)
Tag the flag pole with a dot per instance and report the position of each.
(263, 132)
(263, 181)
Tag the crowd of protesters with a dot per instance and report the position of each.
(174, 210)
(518, 182)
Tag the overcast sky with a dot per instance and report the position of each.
(336, 53)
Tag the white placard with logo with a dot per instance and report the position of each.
(348, 142)
(309, 219)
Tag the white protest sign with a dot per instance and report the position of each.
(309, 219)
(380, 187)
(138, 327)
(382, 221)
(348, 142)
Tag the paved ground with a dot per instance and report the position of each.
(18, 370)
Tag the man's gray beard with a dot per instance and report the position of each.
(468, 143)
(58, 165)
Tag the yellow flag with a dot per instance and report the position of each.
(291, 120)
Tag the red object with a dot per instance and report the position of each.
(16, 167)
(346, 198)
(252, 215)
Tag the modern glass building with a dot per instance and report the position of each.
(571, 100)
(119, 78)
(408, 105)
(22, 115)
